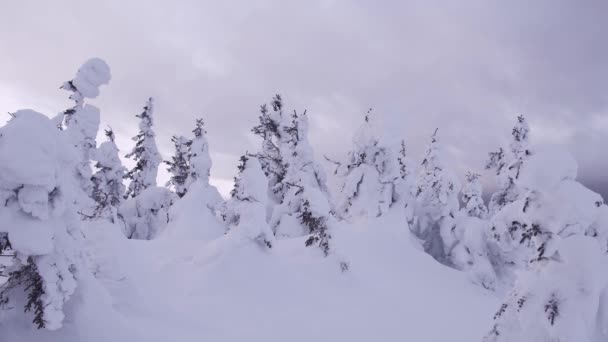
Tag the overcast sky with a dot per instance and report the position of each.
(467, 67)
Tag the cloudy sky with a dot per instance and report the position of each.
(467, 67)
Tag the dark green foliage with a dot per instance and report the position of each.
(552, 309)
(199, 130)
(317, 226)
(28, 279)
(179, 167)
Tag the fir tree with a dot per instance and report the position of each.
(245, 211)
(199, 159)
(369, 175)
(179, 167)
(304, 181)
(271, 130)
(108, 188)
(145, 153)
(437, 201)
(508, 165)
(471, 196)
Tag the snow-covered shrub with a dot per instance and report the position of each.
(108, 189)
(39, 228)
(147, 214)
(245, 211)
(145, 153)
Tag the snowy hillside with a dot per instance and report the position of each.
(228, 289)
(396, 252)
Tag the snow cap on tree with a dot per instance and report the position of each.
(81, 121)
(90, 76)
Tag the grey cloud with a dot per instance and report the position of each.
(466, 67)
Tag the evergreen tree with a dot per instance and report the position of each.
(108, 188)
(145, 153)
(81, 122)
(271, 129)
(508, 165)
(548, 238)
(39, 229)
(245, 211)
(179, 167)
(437, 201)
(369, 175)
(471, 196)
(304, 181)
(199, 159)
(201, 202)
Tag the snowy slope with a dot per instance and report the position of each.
(230, 289)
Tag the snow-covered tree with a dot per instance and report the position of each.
(508, 164)
(147, 214)
(471, 196)
(271, 130)
(245, 211)
(547, 235)
(369, 175)
(466, 241)
(404, 192)
(145, 153)
(81, 122)
(437, 202)
(560, 300)
(199, 159)
(195, 215)
(304, 181)
(179, 167)
(108, 189)
(39, 229)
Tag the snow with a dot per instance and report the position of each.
(399, 258)
(228, 289)
(193, 216)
